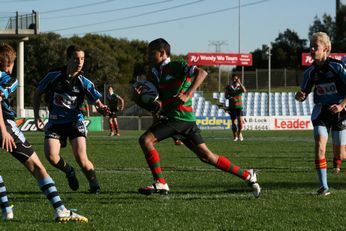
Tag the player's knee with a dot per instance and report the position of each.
(205, 157)
(53, 160)
(144, 140)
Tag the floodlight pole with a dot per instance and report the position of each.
(218, 45)
(242, 67)
(269, 76)
(20, 76)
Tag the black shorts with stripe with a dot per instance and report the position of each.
(62, 131)
(23, 151)
(188, 132)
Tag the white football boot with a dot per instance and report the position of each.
(7, 216)
(323, 191)
(241, 138)
(252, 182)
(157, 187)
(67, 215)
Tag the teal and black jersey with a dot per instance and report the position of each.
(328, 80)
(7, 86)
(65, 95)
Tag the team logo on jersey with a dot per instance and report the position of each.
(66, 101)
(326, 89)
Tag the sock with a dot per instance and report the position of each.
(225, 165)
(234, 130)
(336, 162)
(63, 166)
(116, 128)
(91, 176)
(4, 203)
(47, 186)
(153, 160)
(111, 127)
(321, 168)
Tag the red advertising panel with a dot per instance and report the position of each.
(307, 60)
(214, 59)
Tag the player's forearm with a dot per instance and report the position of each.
(242, 88)
(198, 80)
(2, 121)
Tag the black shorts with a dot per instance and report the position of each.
(62, 131)
(113, 114)
(184, 131)
(336, 122)
(235, 112)
(23, 151)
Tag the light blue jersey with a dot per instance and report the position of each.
(329, 81)
(66, 95)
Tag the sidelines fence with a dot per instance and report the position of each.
(98, 123)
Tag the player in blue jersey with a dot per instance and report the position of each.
(65, 89)
(14, 142)
(327, 78)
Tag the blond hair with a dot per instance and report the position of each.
(323, 38)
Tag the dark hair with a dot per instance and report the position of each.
(159, 45)
(72, 49)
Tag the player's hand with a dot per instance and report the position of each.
(8, 142)
(182, 97)
(300, 96)
(39, 124)
(139, 90)
(335, 108)
(104, 110)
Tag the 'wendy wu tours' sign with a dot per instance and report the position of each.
(307, 59)
(214, 59)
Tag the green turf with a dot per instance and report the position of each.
(201, 198)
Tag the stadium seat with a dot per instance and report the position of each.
(216, 95)
(256, 104)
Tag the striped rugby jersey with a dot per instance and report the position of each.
(329, 81)
(66, 95)
(174, 77)
(7, 86)
(235, 96)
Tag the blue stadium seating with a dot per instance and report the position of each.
(255, 104)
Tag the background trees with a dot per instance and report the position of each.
(117, 61)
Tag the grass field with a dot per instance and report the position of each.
(201, 198)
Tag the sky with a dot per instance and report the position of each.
(188, 25)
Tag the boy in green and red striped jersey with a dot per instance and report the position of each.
(234, 93)
(176, 83)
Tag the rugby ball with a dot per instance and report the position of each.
(145, 95)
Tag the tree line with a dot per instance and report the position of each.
(112, 60)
